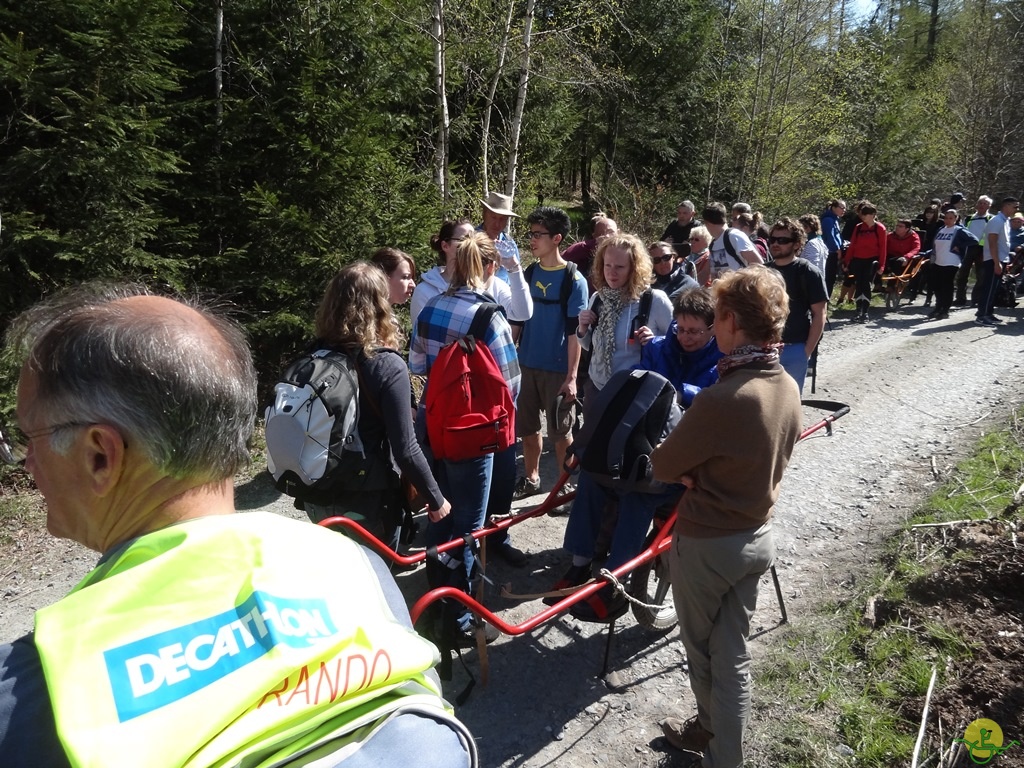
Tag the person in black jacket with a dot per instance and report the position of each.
(669, 276)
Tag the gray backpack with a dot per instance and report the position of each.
(313, 442)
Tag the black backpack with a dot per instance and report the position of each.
(629, 418)
(312, 430)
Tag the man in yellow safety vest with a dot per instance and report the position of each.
(202, 637)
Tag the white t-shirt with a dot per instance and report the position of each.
(999, 226)
(721, 260)
(943, 257)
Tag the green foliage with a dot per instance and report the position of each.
(135, 147)
(87, 156)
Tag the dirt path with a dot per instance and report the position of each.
(920, 393)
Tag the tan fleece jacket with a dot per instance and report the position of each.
(735, 442)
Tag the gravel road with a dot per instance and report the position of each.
(920, 393)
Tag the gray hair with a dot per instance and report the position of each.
(688, 205)
(185, 396)
(702, 232)
(986, 198)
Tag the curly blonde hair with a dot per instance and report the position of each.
(641, 271)
(355, 312)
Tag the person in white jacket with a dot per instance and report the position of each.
(513, 296)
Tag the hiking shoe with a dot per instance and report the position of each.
(687, 735)
(563, 509)
(525, 487)
(983, 321)
(511, 555)
(576, 575)
(603, 607)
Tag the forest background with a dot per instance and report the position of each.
(247, 148)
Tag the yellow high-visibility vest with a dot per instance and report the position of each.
(245, 635)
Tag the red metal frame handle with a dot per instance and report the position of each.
(552, 501)
(662, 541)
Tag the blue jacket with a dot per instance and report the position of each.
(689, 372)
(831, 231)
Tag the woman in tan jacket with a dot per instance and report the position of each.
(730, 450)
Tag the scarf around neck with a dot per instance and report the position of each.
(749, 353)
(613, 301)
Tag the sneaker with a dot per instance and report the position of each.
(512, 555)
(983, 321)
(994, 319)
(942, 316)
(525, 487)
(576, 575)
(603, 607)
(466, 638)
(687, 735)
(563, 509)
(960, 303)
(933, 315)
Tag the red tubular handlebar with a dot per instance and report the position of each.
(551, 502)
(661, 542)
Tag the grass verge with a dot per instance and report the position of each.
(847, 686)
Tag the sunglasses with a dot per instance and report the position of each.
(782, 240)
(662, 259)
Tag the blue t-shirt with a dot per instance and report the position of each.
(543, 342)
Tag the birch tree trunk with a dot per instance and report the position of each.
(714, 154)
(755, 111)
(485, 141)
(444, 121)
(517, 118)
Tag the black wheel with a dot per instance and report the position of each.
(650, 584)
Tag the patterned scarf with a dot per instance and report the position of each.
(749, 353)
(613, 301)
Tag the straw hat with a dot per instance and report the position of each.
(499, 204)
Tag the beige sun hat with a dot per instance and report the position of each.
(499, 204)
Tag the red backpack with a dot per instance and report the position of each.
(470, 412)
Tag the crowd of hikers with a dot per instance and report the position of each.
(704, 337)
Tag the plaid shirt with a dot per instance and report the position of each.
(446, 318)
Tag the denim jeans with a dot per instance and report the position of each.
(793, 358)
(636, 510)
(474, 488)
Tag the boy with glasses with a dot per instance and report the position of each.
(549, 350)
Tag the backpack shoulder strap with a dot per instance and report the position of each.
(643, 315)
(528, 273)
(565, 292)
(482, 320)
(730, 248)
